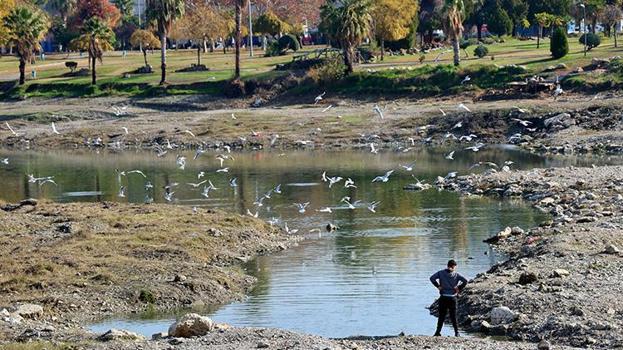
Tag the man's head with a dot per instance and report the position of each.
(451, 264)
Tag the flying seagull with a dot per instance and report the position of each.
(383, 178)
(54, 129)
(319, 98)
(378, 111)
(372, 207)
(525, 123)
(464, 107)
(11, 129)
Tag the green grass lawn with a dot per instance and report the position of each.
(50, 81)
(522, 53)
(425, 79)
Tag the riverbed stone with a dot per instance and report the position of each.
(158, 336)
(31, 311)
(527, 278)
(191, 325)
(502, 315)
(543, 345)
(560, 273)
(120, 334)
(516, 230)
(612, 249)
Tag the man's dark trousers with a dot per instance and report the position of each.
(447, 304)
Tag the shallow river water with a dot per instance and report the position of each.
(368, 278)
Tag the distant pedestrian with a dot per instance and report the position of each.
(450, 283)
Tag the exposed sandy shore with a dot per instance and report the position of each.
(200, 122)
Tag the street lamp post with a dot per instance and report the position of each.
(250, 31)
(584, 28)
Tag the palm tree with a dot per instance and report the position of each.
(64, 7)
(164, 13)
(26, 28)
(348, 22)
(96, 38)
(454, 11)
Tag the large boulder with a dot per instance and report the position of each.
(120, 334)
(191, 325)
(502, 315)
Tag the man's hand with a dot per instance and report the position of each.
(440, 289)
(457, 290)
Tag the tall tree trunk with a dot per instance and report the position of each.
(538, 37)
(593, 25)
(93, 73)
(238, 38)
(163, 57)
(479, 31)
(145, 56)
(616, 42)
(457, 51)
(348, 59)
(382, 49)
(22, 71)
(198, 55)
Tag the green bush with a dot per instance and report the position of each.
(331, 70)
(288, 42)
(592, 40)
(146, 296)
(559, 46)
(272, 50)
(489, 41)
(481, 51)
(467, 43)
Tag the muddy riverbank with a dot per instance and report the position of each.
(563, 279)
(63, 265)
(573, 124)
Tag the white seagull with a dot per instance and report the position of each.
(372, 207)
(378, 111)
(302, 206)
(11, 129)
(383, 178)
(464, 108)
(319, 98)
(54, 129)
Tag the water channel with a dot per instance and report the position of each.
(368, 278)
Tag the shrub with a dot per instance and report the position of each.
(592, 40)
(288, 42)
(481, 51)
(146, 297)
(559, 46)
(464, 44)
(273, 50)
(489, 41)
(331, 70)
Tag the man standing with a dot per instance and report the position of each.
(450, 283)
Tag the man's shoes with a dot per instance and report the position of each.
(437, 335)
(456, 334)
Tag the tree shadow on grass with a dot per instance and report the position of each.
(542, 60)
